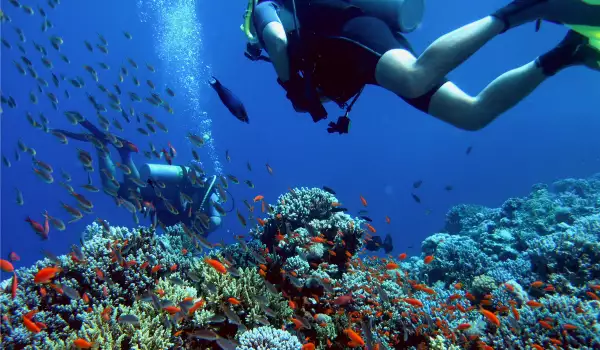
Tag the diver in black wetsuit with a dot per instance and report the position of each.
(374, 244)
(172, 175)
(331, 49)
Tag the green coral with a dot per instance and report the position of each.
(325, 329)
(483, 284)
(245, 288)
(440, 343)
(149, 335)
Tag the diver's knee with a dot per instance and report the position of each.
(398, 72)
(215, 221)
(274, 37)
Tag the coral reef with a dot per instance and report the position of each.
(521, 276)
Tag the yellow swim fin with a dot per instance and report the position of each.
(591, 32)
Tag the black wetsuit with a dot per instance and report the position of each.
(343, 43)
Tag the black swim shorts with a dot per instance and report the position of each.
(346, 62)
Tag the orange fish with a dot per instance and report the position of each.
(592, 295)
(355, 337)
(196, 306)
(216, 265)
(297, 324)
(463, 326)
(30, 325)
(387, 219)
(428, 259)
(533, 304)
(82, 343)
(537, 284)
(37, 227)
(363, 200)
(545, 324)
(402, 256)
(569, 327)
(106, 313)
(371, 228)
(46, 274)
(413, 302)
(490, 316)
(261, 222)
(171, 309)
(515, 313)
(308, 346)
(391, 266)
(13, 256)
(259, 198)
(234, 301)
(6, 266)
(156, 268)
(15, 285)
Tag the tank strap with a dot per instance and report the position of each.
(208, 191)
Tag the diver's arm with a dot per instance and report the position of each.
(274, 40)
(215, 217)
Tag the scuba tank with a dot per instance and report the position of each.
(402, 15)
(169, 174)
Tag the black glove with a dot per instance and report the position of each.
(254, 53)
(303, 97)
(342, 125)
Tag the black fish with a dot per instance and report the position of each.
(469, 149)
(417, 184)
(328, 189)
(151, 183)
(388, 245)
(367, 218)
(338, 209)
(449, 188)
(363, 212)
(416, 198)
(375, 244)
(233, 104)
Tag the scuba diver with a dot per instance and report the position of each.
(374, 244)
(331, 49)
(167, 191)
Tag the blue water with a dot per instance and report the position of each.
(551, 135)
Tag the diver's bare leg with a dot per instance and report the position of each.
(399, 71)
(276, 46)
(105, 162)
(454, 106)
(127, 160)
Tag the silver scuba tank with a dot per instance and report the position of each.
(402, 15)
(169, 174)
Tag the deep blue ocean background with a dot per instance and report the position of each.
(553, 134)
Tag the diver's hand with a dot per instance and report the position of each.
(295, 89)
(303, 97)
